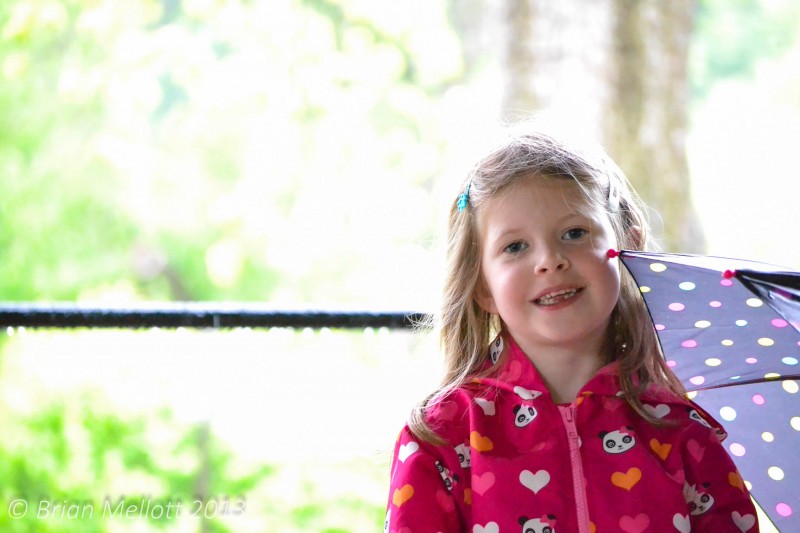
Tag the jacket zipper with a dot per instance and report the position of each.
(578, 481)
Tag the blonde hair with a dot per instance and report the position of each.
(465, 329)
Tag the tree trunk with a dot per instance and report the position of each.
(618, 69)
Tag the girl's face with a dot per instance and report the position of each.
(544, 266)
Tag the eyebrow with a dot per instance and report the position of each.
(512, 230)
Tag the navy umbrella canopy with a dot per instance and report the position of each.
(730, 330)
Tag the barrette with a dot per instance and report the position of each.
(463, 198)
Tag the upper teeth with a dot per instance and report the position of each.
(549, 299)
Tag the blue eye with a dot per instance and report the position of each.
(515, 247)
(575, 234)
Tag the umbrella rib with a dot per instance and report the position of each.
(748, 382)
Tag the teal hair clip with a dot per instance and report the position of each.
(463, 198)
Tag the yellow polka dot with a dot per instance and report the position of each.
(766, 341)
(691, 395)
(713, 361)
(658, 267)
(791, 387)
(727, 342)
(754, 302)
(767, 436)
(771, 375)
(645, 289)
(702, 324)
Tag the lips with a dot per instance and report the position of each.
(557, 295)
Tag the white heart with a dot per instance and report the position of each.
(659, 411)
(745, 522)
(526, 394)
(491, 527)
(682, 523)
(406, 450)
(486, 405)
(535, 482)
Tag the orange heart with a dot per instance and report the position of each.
(479, 442)
(735, 479)
(592, 527)
(627, 480)
(468, 496)
(662, 450)
(402, 495)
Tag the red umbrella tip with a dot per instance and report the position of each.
(728, 274)
(612, 253)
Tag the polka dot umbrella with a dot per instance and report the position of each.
(730, 329)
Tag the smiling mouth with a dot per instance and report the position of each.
(557, 297)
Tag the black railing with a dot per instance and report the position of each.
(195, 315)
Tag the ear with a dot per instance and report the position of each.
(634, 236)
(484, 298)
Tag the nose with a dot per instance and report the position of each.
(551, 260)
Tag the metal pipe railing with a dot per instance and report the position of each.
(195, 315)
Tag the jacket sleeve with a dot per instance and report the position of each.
(716, 496)
(423, 482)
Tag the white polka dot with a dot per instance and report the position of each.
(713, 361)
(702, 324)
(748, 485)
(754, 302)
(789, 361)
(687, 286)
(727, 342)
(775, 473)
(728, 413)
(767, 436)
(658, 267)
(790, 386)
(795, 423)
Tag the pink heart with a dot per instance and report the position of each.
(695, 450)
(445, 501)
(482, 483)
(679, 476)
(447, 410)
(512, 372)
(634, 525)
(612, 404)
(542, 446)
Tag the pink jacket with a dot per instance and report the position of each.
(516, 462)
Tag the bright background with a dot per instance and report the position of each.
(296, 152)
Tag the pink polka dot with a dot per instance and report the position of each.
(671, 363)
(676, 307)
(737, 449)
(779, 323)
(662, 327)
(726, 283)
(751, 360)
(783, 509)
(715, 303)
(697, 380)
(758, 399)
(689, 344)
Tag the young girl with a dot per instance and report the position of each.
(557, 412)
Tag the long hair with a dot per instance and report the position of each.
(465, 329)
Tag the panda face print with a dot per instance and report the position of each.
(618, 441)
(495, 349)
(697, 501)
(694, 415)
(449, 480)
(524, 415)
(545, 524)
(463, 455)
